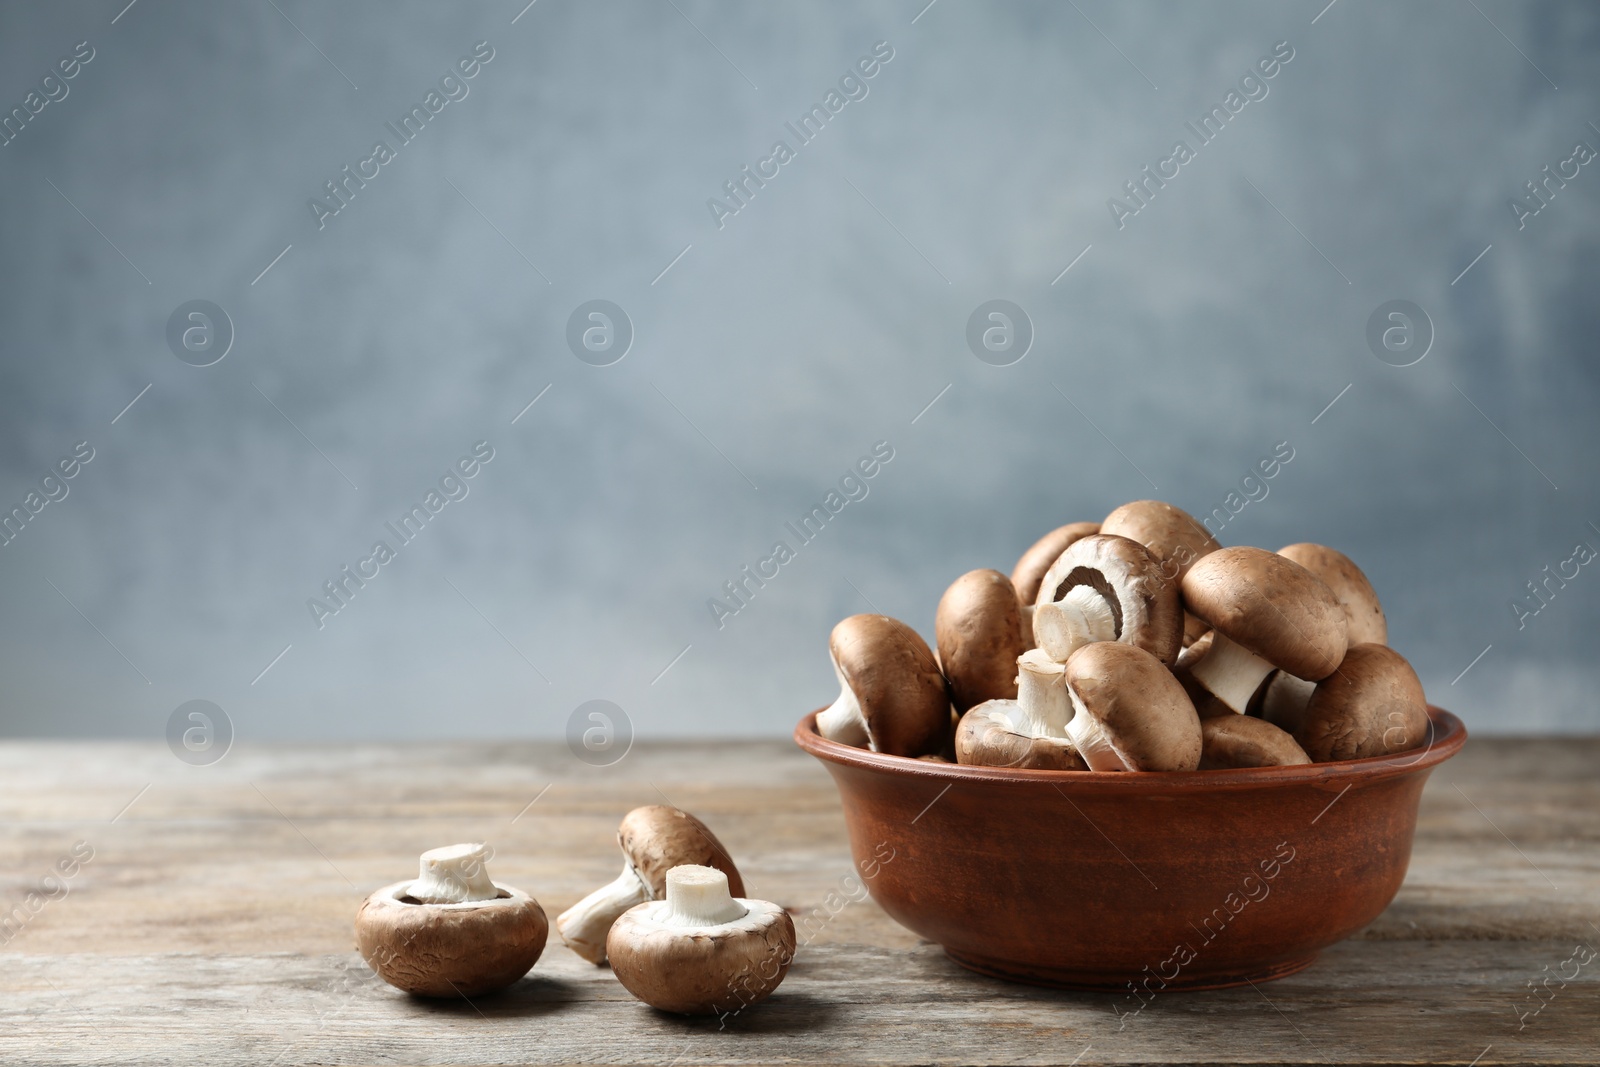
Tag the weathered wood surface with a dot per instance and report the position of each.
(213, 924)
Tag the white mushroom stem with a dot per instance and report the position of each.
(1230, 672)
(584, 925)
(1090, 739)
(454, 874)
(698, 896)
(1082, 617)
(1043, 706)
(842, 720)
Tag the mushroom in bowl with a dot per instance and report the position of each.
(1266, 612)
(892, 694)
(1030, 731)
(1108, 588)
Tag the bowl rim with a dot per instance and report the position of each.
(1446, 735)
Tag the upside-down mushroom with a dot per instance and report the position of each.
(701, 951)
(451, 932)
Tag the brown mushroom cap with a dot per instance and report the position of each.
(1135, 705)
(896, 682)
(979, 631)
(1145, 604)
(1029, 571)
(1271, 606)
(987, 738)
(656, 838)
(1242, 741)
(450, 950)
(1363, 614)
(701, 970)
(1372, 705)
(1173, 536)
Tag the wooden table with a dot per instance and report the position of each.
(212, 924)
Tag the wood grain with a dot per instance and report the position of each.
(213, 924)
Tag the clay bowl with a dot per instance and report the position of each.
(1133, 882)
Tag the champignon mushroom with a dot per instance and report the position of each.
(1129, 711)
(1283, 702)
(979, 631)
(1108, 588)
(1372, 705)
(1229, 740)
(701, 951)
(892, 695)
(1174, 537)
(452, 932)
(653, 839)
(1028, 732)
(1363, 615)
(1029, 571)
(1267, 611)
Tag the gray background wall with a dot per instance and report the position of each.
(824, 317)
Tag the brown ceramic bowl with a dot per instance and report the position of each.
(1135, 882)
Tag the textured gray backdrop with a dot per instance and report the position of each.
(1222, 318)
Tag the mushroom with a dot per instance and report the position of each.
(1372, 705)
(1028, 732)
(1284, 700)
(1363, 615)
(701, 951)
(1029, 571)
(1267, 611)
(1108, 588)
(892, 695)
(1229, 740)
(1129, 711)
(979, 631)
(1174, 537)
(653, 839)
(452, 932)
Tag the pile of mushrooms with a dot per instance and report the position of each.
(1135, 644)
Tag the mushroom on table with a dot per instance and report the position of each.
(653, 839)
(702, 950)
(451, 932)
